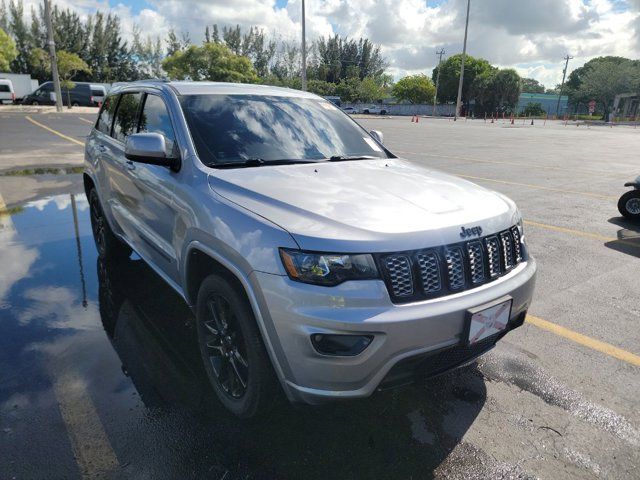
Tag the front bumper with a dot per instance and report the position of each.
(294, 311)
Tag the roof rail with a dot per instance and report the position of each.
(163, 80)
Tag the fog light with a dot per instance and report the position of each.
(340, 345)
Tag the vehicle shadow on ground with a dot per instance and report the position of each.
(394, 434)
(628, 237)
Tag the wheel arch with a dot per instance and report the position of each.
(199, 262)
(88, 183)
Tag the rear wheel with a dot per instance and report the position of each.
(629, 205)
(234, 356)
(108, 245)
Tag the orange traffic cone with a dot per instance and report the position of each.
(417, 118)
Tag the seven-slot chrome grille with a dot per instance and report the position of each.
(435, 272)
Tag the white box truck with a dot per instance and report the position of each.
(23, 84)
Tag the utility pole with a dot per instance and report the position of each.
(564, 75)
(304, 53)
(464, 54)
(52, 54)
(435, 95)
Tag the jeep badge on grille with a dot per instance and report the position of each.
(470, 232)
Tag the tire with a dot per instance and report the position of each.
(383, 112)
(366, 111)
(75, 104)
(629, 205)
(234, 356)
(108, 245)
(35, 102)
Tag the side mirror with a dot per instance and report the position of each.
(377, 134)
(149, 148)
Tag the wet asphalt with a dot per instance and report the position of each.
(100, 375)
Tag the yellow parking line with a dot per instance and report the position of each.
(55, 132)
(630, 242)
(570, 231)
(89, 441)
(586, 341)
(85, 120)
(539, 187)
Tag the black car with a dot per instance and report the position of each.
(78, 96)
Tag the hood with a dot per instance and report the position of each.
(365, 205)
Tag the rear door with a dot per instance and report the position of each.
(123, 196)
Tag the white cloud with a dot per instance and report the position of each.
(530, 36)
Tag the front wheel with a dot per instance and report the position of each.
(234, 356)
(629, 205)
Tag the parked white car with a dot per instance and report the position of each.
(374, 110)
(7, 94)
(350, 110)
(98, 92)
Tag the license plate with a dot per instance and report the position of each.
(488, 320)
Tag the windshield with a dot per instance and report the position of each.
(236, 128)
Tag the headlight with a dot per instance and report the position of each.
(327, 268)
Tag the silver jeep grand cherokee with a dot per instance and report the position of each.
(312, 256)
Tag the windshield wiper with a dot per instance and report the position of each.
(346, 158)
(257, 162)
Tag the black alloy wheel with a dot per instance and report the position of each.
(225, 347)
(233, 353)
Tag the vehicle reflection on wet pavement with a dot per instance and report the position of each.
(100, 375)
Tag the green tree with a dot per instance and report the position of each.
(8, 51)
(69, 65)
(320, 87)
(606, 78)
(624, 73)
(211, 61)
(531, 85)
(533, 109)
(414, 89)
(372, 90)
(450, 76)
(506, 87)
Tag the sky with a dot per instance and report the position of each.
(531, 36)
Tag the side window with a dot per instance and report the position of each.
(155, 119)
(106, 115)
(126, 116)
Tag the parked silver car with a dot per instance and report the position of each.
(313, 257)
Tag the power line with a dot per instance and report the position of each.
(435, 95)
(564, 75)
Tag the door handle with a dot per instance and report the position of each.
(130, 165)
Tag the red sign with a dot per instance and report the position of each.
(592, 106)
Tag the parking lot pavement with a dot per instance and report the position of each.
(100, 374)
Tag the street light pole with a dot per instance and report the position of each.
(435, 95)
(304, 53)
(52, 54)
(564, 75)
(464, 54)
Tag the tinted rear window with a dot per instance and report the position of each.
(4, 88)
(97, 93)
(234, 128)
(127, 115)
(106, 115)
